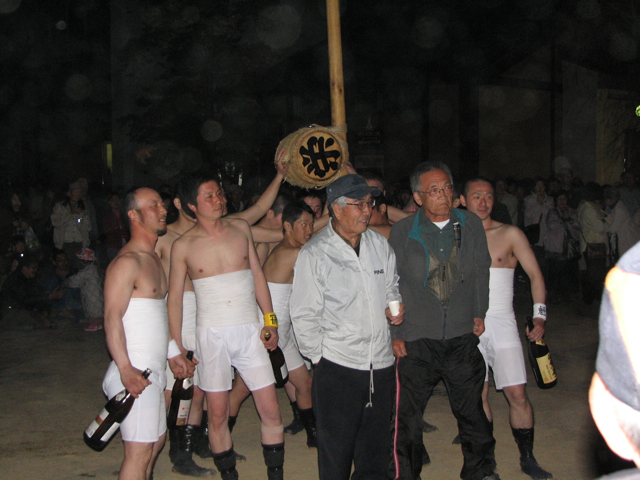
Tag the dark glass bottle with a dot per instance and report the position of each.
(181, 397)
(541, 364)
(106, 424)
(277, 363)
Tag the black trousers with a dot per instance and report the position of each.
(348, 430)
(459, 363)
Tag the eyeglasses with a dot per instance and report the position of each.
(435, 191)
(371, 204)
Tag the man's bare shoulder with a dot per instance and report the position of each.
(125, 263)
(163, 246)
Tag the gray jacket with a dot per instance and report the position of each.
(425, 316)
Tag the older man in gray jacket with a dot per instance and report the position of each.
(344, 279)
(443, 263)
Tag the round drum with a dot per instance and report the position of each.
(316, 156)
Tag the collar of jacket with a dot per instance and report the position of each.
(416, 231)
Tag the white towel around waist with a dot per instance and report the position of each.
(226, 300)
(500, 291)
(146, 328)
(280, 293)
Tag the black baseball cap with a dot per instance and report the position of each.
(350, 186)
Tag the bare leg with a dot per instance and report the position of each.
(218, 410)
(520, 411)
(301, 380)
(269, 411)
(290, 389)
(485, 401)
(238, 394)
(195, 415)
(139, 459)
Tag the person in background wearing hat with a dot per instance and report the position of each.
(344, 278)
(614, 398)
(90, 282)
(71, 224)
(443, 263)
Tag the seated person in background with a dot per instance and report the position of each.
(68, 307)
(24, 304)
(90, 281)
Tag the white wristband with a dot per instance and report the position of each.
(173, 349)
(540, 311)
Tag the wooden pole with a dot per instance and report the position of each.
(338, 116)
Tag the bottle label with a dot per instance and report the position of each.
(110, 432)
(283, 371)
(93, 426)
(183, 412)
(547, 371)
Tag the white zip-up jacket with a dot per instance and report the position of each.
(338, 300)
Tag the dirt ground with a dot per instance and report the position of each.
(51, 389)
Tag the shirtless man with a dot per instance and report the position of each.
(500, 343)
(137, 333)
(297, 221)
(219, 257)
(184, 440)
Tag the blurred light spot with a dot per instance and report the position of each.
(427, 32)
(211, 130)
(623, 47)
(588, 8)
(9, 6)
(61, 25)
(279, 26)
(638, 111)
(77, 87)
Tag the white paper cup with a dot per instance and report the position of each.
(394, 307)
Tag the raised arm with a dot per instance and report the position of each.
(260, 208)
(118, 287)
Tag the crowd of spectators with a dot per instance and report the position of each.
(56, 246)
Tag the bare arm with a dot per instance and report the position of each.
(260, 208)
(523, 252)
(118, 287)
(177, 276)
(265, 235)
(395, 214)
(263, 296)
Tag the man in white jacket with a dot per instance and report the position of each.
(344, 279)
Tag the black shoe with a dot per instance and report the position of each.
(184, 463)
(530, 466)
(202, 447)
(426, 459)
(240, 458)
(457, 441)
(296, 426)
(190, 468)
(494, 476)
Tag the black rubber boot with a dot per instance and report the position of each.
(428, 428)
(202, 447)
(528, 463)
(226, 464)
(274, 459)
(308, 419)
(232, 423)
(184, 463)
(174, 441)
(296, 426)
(492, 452)
(426, 459)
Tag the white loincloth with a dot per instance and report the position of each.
(500, 343)
(280, 293)
(146, 329)
(226, 300)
